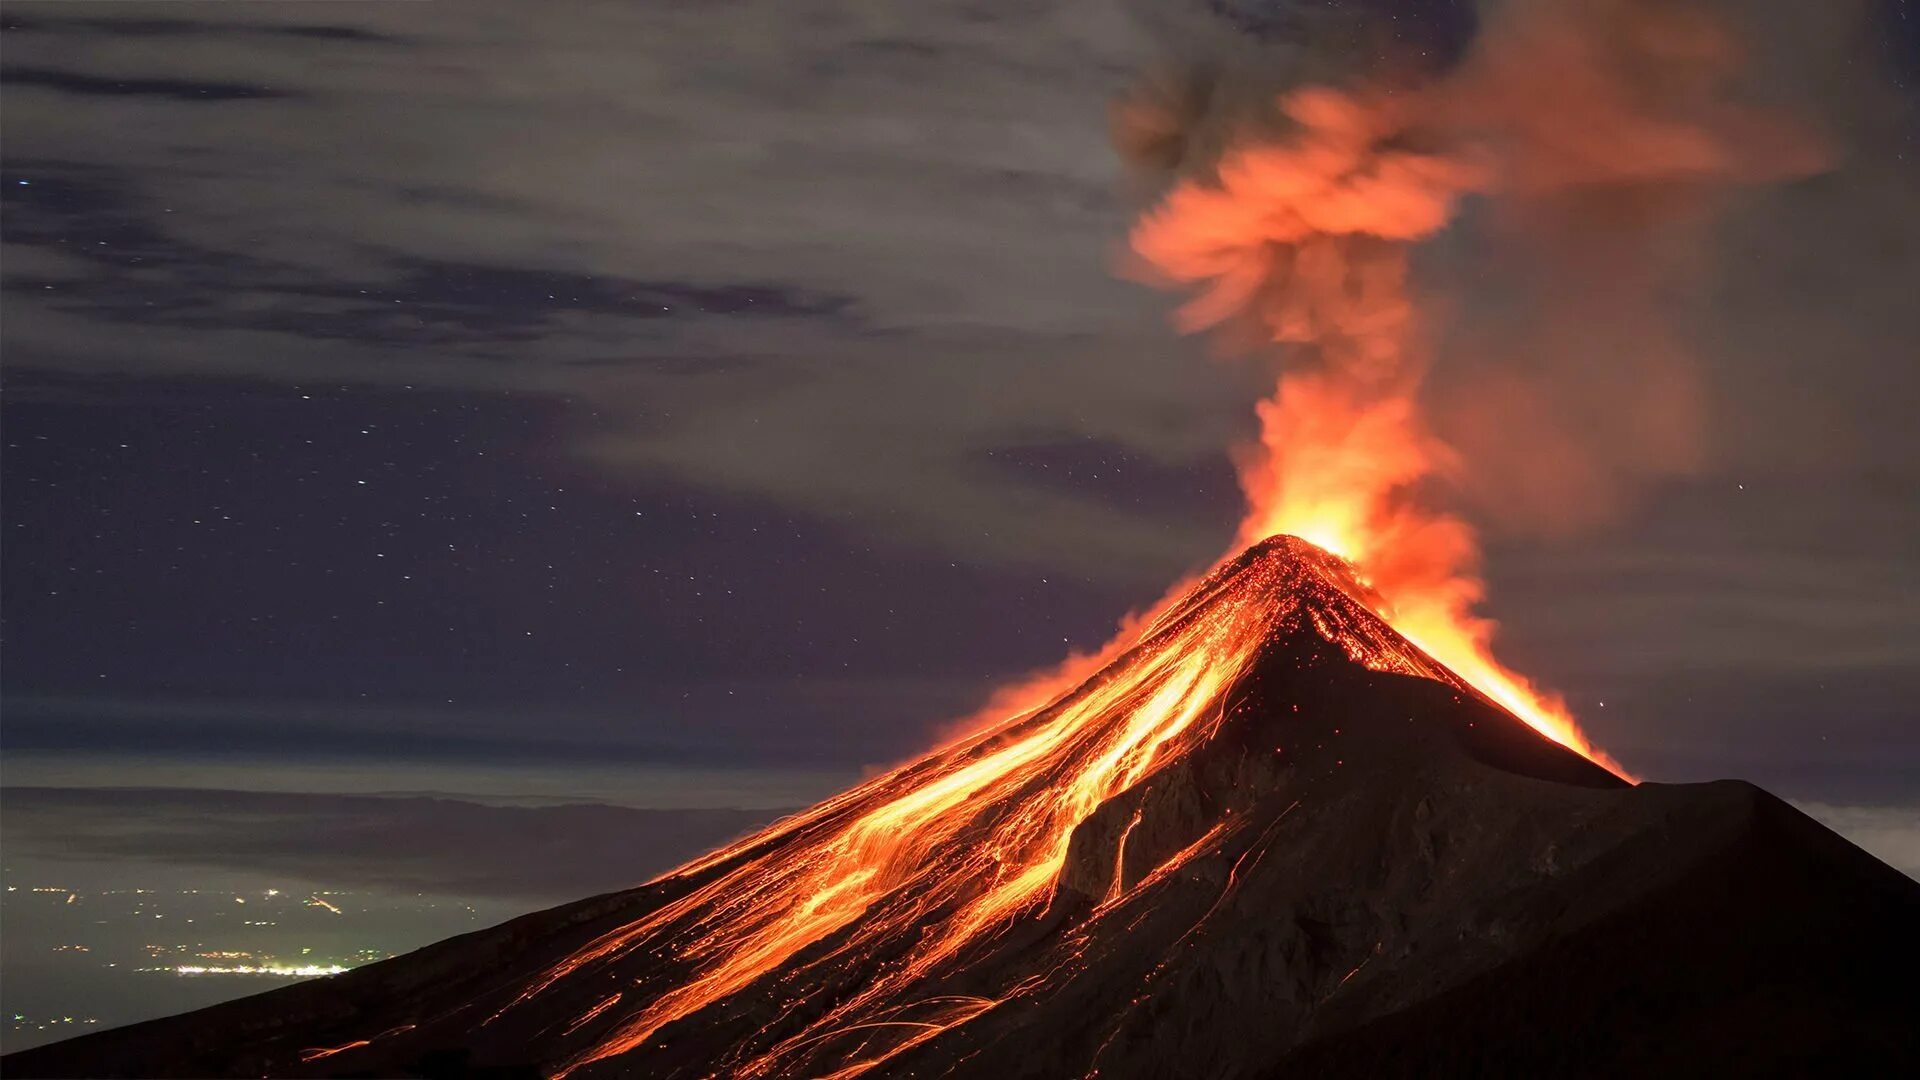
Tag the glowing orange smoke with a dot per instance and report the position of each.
(1339, 472)
(1307, 238)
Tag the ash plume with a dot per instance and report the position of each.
(1591, 143)
(1589, 146)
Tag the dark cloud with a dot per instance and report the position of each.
(444, 846)
(823, 723)
(121, 264)
(958, 212)
(116, 87)
(74, 82)
(1890, 832)
(40, 23)
(964, 207)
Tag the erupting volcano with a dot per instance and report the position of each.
(1295, 819)
(1270, 833)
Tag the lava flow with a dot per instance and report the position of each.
(950, 849)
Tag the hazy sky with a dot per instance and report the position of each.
(714, 386)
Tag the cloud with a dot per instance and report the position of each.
(1890, 833)
(436, 845)
(926, 199)
(831, 257)
(90, 253)
(860, 153)
(15, 22)
(825, 724)
(72, 82)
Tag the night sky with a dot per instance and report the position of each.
(748, 389)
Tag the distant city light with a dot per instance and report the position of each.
(295, 971)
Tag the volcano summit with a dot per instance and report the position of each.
(1272, 837)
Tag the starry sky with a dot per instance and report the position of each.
(747, 389)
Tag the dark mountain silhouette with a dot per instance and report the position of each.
(1344, 864)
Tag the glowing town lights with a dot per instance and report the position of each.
(287, 971)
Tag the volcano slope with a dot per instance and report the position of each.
(1273, 838)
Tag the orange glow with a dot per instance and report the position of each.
(1338, 471)
(1306, 238)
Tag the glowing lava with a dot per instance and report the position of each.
(945, 852)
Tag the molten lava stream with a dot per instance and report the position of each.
(888, 861)
(945, 851)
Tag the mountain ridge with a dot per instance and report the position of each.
(1340, 847)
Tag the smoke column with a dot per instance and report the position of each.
(1599, 132)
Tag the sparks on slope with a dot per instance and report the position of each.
(884, 863)
(1044, 778)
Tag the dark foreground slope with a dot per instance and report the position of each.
(1356, 873)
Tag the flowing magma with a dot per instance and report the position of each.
(949, 850)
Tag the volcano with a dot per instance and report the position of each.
(1271, 837)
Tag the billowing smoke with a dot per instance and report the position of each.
(1590, 143)
(1616, 136)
